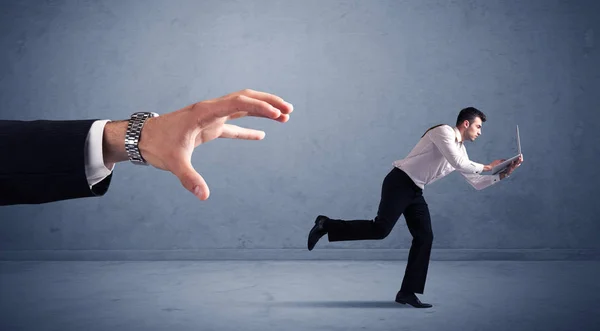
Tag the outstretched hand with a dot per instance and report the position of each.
(168, 141)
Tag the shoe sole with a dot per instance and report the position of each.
(406, 303)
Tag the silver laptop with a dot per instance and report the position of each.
(506, 163)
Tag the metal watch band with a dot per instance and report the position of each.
(133, 135)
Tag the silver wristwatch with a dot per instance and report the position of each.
(133, 135)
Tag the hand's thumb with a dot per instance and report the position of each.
(191, 180)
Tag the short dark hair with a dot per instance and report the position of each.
(469, 114)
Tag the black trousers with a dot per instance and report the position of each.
(399, 195)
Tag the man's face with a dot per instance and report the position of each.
(474, 130)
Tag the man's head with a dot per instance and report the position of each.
(469, 123)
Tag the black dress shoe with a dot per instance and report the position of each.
(316, 232)
(411, 299)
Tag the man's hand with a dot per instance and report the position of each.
(514, 165)
(168, 141)
(490, 166)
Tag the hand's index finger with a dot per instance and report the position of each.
(273, 100)
(240, 106)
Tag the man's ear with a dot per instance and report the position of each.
(466, 124)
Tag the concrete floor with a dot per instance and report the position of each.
(296, 295)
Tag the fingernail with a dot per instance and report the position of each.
(291, 106)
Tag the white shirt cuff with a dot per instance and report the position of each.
(95, 170)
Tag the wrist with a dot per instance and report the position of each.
(113, 148)
(487, 167)
(145, 144)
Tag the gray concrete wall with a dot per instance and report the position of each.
(366, 79)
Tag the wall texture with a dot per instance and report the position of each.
(366, 79)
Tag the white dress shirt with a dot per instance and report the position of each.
(95, 170)
(439, 152)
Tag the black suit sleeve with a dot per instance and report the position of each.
(43, 161)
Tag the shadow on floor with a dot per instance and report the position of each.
(339, 304)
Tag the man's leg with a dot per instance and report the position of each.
(419, 223)
(397, 192)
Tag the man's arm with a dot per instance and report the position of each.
(43, 161)
(444, 139)
(479, 182)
